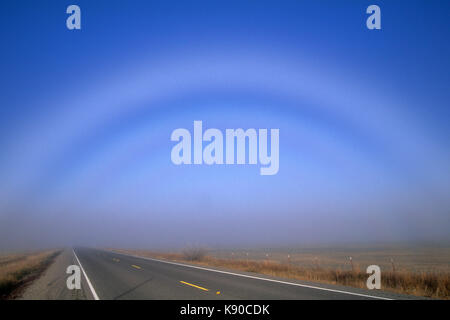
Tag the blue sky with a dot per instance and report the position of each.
(86, 119)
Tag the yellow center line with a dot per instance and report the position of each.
(116, 260)
(193, 285)
(135, 266)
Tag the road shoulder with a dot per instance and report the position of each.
(52, 284)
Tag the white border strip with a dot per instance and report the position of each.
(258, 278)
(87, 279)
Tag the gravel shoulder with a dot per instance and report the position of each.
(52, 284)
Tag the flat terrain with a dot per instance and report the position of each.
(414, 258)
(20, 269)
(225, 274)
(118, 276)
(423, 271)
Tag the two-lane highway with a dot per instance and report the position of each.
(112, 275)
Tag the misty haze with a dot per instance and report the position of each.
(359, 175)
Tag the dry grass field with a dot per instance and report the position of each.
(17, 269)
(422, 271)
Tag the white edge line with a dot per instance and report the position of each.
(87, 279)
(254, 277)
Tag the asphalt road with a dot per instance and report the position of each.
(109, 275)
